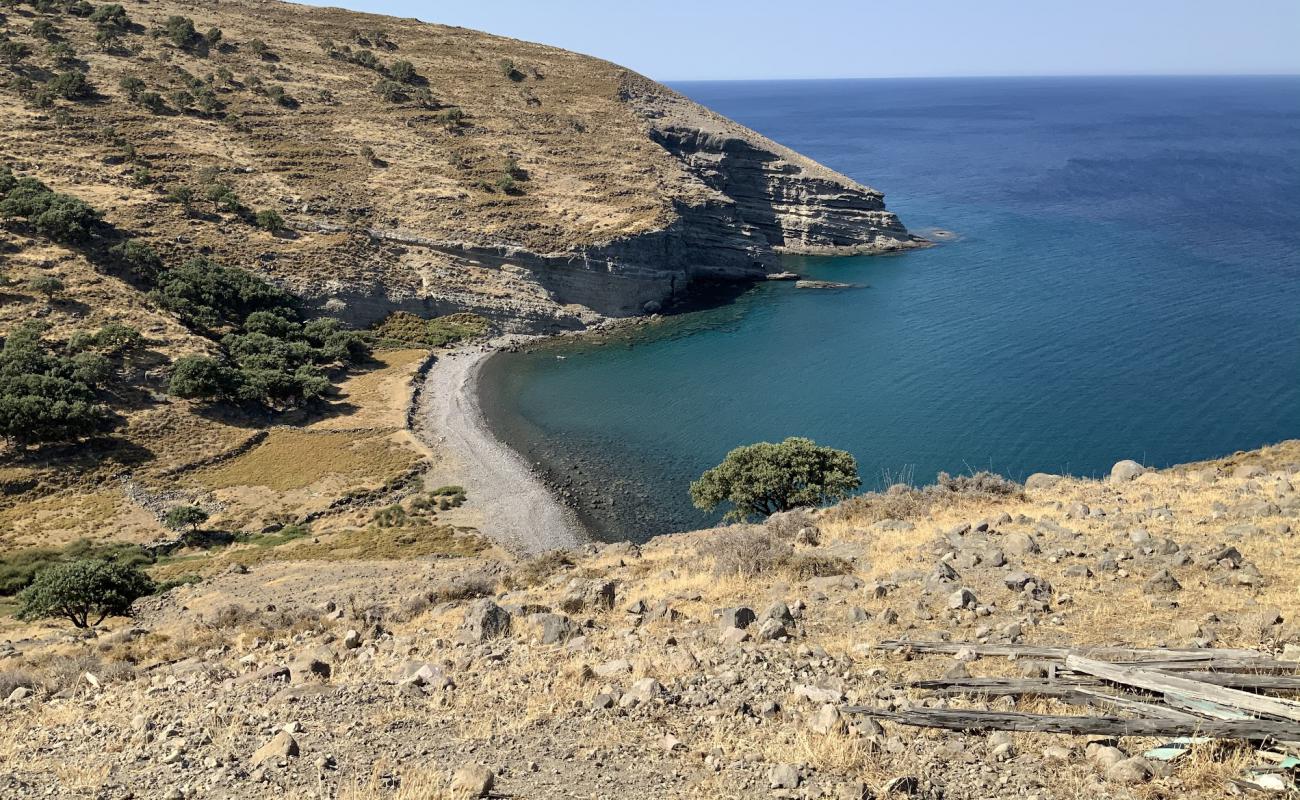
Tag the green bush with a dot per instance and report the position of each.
(761, 479)
(207, 294)
(183, 517)
(19, 567)
(508, 69)
(132, 85)
(11, 51)
(111, 17)
(84, 589)
(113, 340)
(47, 285)
(403, 72)
(392, 91)
(44, 29)
(61, 217)
(259, 48)
(451, 118)
(179, 30)
(46, 396)
(402, 327)
(152, 101)
(200, 378)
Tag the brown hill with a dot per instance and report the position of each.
(417, 165)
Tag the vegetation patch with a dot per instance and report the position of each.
(295, 459)
(403, 329)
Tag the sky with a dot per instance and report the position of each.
(673, 40)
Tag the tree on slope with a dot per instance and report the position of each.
(759, 480)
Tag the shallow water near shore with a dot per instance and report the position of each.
(1124, 283)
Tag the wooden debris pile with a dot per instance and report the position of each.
(1196, 695)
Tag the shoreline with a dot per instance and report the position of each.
(520, 512)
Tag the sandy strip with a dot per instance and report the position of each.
(519, 512)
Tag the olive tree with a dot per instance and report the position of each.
(80, 590)
(759, 480)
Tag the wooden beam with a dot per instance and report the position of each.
(968, 720)
(1185, 688)
(1028, 651)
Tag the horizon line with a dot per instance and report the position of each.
(1004, 76)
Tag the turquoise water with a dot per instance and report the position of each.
(1125, 284)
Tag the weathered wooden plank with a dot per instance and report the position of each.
(1058, 653)
(1241, 680)
(969, 720)
(1167, 684)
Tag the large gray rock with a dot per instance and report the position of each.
(1041, 480)
(484, 620)
(1125, 471)
(783, 776)
(739, 617)
(1162, 581)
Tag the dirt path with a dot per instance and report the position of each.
(519, 512)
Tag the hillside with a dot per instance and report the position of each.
(416, 166)
(363, 165)
(716, 664)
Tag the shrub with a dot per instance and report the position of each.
(392, 91)
(84, 589)
(744, 552)
(70, 86)
(182, 195)
(179, 30)
(46, 396)
(132, 85)
(403, 72)
(62, 54)
(402, 327)
(365, 58)
(182, 517)
(389, 517)
(47, 285)
(200, 378)
(111, 17)
(19, 567)
(259, 48)
(139, 258)
(213, 36)
(152, 101)
(114, 340)
(761, 479)
(44, 29)
(508, 69)
(451, 118)
(206, 293)
(12, 52)
(269, 220)
(181, 100)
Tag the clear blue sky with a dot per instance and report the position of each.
(729, 39)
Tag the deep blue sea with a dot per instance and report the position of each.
(1125, 284)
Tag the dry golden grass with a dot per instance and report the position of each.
(295, 459)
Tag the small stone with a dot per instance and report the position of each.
(352, 640)
(1129, 772)
(471, 782)
(826, 720)
(738, 617)
(1162, 581)
(962, 598)
(783, 776)
(281, 746)
(484, 620)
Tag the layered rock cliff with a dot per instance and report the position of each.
(420, 166)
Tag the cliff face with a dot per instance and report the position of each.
(534, 185)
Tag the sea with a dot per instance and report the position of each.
(1122, 280)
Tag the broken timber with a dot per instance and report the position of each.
(970, 720)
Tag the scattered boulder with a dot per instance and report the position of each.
(1125, 471)
(962, 598)
(1041, 480)
(826, 720)
(1130, 771)
(783, 776)
(1162, 581)
(472, 782)
(281, 746)
(739, 617)
(484, 620)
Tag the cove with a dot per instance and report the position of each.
(1124, 283)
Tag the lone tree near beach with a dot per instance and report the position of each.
(761, 479)
(80, 590)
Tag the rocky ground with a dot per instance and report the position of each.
(710, 664)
